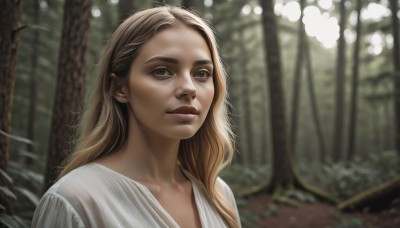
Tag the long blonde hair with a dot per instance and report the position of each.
(103, 127)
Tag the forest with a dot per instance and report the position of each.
(314, 92)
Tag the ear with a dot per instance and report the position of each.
(119, 91)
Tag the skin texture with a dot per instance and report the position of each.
(173, 69)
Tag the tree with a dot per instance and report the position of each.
(283, 172)
(188, 4)
(9, 33)
(198, 6)
(125, 9)
(70, 87)
(108, 19)
(297, 79)
(313, 101)
(32, 84)
(354, 87)
(375, 198)
(246, 99)
(339, 87)
(394, 7)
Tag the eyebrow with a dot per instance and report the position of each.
(175, 61)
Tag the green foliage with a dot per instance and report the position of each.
(22, 188)
(239, 177)
(348, 222)
(249, 218)
(345, 179)
(300, 196)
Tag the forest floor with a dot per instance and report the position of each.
(260, 212)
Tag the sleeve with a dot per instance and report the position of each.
(227, 192)
(54, 211)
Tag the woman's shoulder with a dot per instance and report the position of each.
(86, 193)
(84, 184)
(223, 186)
(225, 190)
(63, 203)
(84, 176)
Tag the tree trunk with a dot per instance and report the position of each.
(234, 99)
(9, 33)
(314, 103)
(32, 86)
(376, 198)
(198, 6)
(246, 99)
(70, 83)
(282, 167)
(388, 124)
(376, 124)
(394, 7)
(354, 88)
(283, 173)
(339, 90)
(108, 21)
(264, 130)
(125, 9)
(157, 3)
(297, 80)
(188, 4)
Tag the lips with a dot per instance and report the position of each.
(185, 109)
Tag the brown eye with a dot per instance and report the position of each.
(161, 72)
(202, 74)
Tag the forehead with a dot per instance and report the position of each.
(178, 41)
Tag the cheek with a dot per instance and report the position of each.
(209, 96)
(145, 98)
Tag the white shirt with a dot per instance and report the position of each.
(96, 196)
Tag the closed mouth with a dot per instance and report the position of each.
(185, 109)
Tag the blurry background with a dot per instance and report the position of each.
(338, 104)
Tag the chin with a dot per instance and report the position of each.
(183, 133)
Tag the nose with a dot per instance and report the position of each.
(186, 87)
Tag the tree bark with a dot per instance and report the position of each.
(284, 176)
(246, 99)
(314, 103)
(125, 9)
(354, 88)
(9, 33)
(70, 83)
(375, 198)
(108, 21)
(376, 124)
(264, 130)
(297, 80)
(282, 166)
(339, 89)
(394, 7)
(32, 86)
(188, 4)
(198, 6)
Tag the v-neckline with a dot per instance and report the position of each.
(144, 188)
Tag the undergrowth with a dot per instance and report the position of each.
(345, 179)
(21, 187)
(342, 179)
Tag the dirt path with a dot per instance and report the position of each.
(259, 212)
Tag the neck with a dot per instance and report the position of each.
(153, 158)
(147, 157)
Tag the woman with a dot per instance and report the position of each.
(155, 136)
